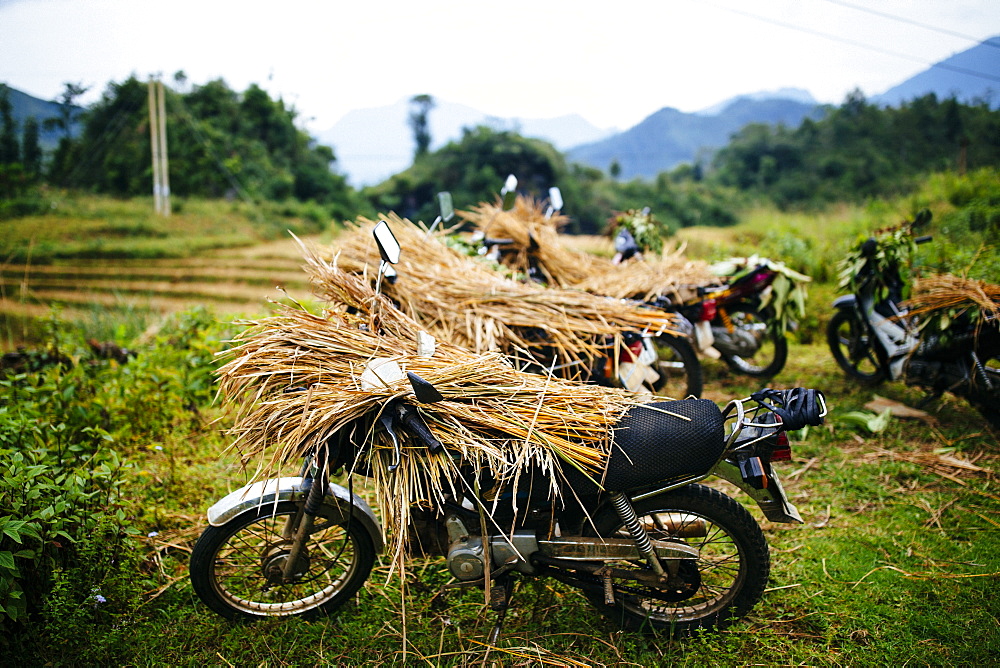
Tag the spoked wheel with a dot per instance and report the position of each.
(678, 367)
(710, 592)
(237, 569)
(851, 346)
(758, 351)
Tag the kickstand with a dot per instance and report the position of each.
(500, 595)
(928, 399)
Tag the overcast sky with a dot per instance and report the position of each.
(614, 63)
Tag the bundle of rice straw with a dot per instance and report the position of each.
(294, 381)
(534, 241)
(669, 274)
(461, 300)
(946, 292)
(537, 243)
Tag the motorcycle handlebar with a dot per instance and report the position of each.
(497, 242)
(416, 426)
(797, 407)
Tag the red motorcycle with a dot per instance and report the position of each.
(739, 320)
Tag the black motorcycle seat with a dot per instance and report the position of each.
(664, 441)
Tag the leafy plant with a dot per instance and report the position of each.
(647, 231)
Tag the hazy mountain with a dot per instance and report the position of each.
(24, 106)
(971, 76)
(671, 137)
(795, 94)
(373, 144)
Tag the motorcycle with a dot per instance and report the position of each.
(650, 547)
(659, 363)
(874, 337)
(738, 321)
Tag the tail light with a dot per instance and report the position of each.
(630, 352)
(708, 310)
(782, 449)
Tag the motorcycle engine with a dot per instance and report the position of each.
(465, 552)
(737, 342)
(465, 559)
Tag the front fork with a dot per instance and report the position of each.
(306, 518)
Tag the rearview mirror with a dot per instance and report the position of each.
(509, 192)
(388, 247)
(446, 206)
(555, 198)
(555, 201)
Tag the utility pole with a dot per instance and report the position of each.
(158, 142)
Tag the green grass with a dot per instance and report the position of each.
(897, 563)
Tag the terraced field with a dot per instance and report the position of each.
(228, 282)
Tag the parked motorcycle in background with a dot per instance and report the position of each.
(743, 320)
(651, 548)
(874, 336)
(658, 363)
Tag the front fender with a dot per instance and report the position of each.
(845, 302)
(339, 504)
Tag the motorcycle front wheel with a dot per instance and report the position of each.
(851, 346)
(678, 367)
(710, 592)
(236, 568)
(771, 351)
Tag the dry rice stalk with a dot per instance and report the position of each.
(946, 291)
(294, 382)
(670, 274)
(537, 242)
(461, 300)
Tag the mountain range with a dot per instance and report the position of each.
(24, 106)
(373, 144)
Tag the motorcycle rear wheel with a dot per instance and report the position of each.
(772, 350)
(678, 367)
(714, 591)
(235, 568)
(851, 346)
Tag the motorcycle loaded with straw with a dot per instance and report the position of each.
(944, 337)
(743, 318)
(507, 475)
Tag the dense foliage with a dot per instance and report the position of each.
(71, 414)
(474, 168)
(221, 143)
(859, 150)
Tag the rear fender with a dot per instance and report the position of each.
(772, 499)
(339, 504)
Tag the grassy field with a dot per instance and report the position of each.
(897, 563)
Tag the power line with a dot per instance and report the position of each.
(903, 19)
(851, 42)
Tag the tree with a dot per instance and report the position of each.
(9, 150)
(68, 110)
(420, 109)
(31, 149)
(615, 169)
